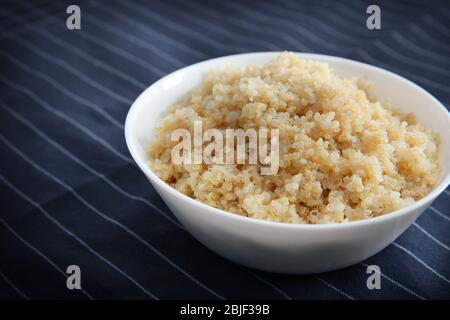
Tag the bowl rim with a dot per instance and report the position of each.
(142, 163)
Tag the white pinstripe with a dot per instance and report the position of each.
(348, 296)
(52, 142)
(61, 88)
(39, 253)
(100, 42)
(321, 42)
(412, 62)
(203, 23)
(441, 87)
(144, 11)
(354, 14)
(71, 48)
(139, 42)
(425, 81)
(104, 44)
(63, 116)
(262, 29)
(387, 16)
(431, 237)
(421, 262)
(317, 22)
(238, 23)
(420, 51)
(161, 36)
(402, 247)
(263, 17)
(429, 82)
(181, 29)
(330, 14)
(20, 292)
(52, 59)
(436, 211)
(334, 288)
(267, 282)
(385, 49)
(348, 12)
(91, 59)
(77, 160)
(398, 284)
(428, 37)
(104, 216)
(420, 4)
(122, 53)
(437, 25)
(67, 153)
(144, 8)
(74, 236)
(291, 5)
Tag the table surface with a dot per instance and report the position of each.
(71, 195)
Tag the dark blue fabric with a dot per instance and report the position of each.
(70, 195)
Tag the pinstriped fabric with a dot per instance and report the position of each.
(70, 193)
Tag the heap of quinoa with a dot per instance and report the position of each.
(343, 156)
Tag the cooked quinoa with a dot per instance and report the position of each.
(343, 156)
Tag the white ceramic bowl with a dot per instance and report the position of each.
(277, 247)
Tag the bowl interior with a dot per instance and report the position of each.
(404, 94)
